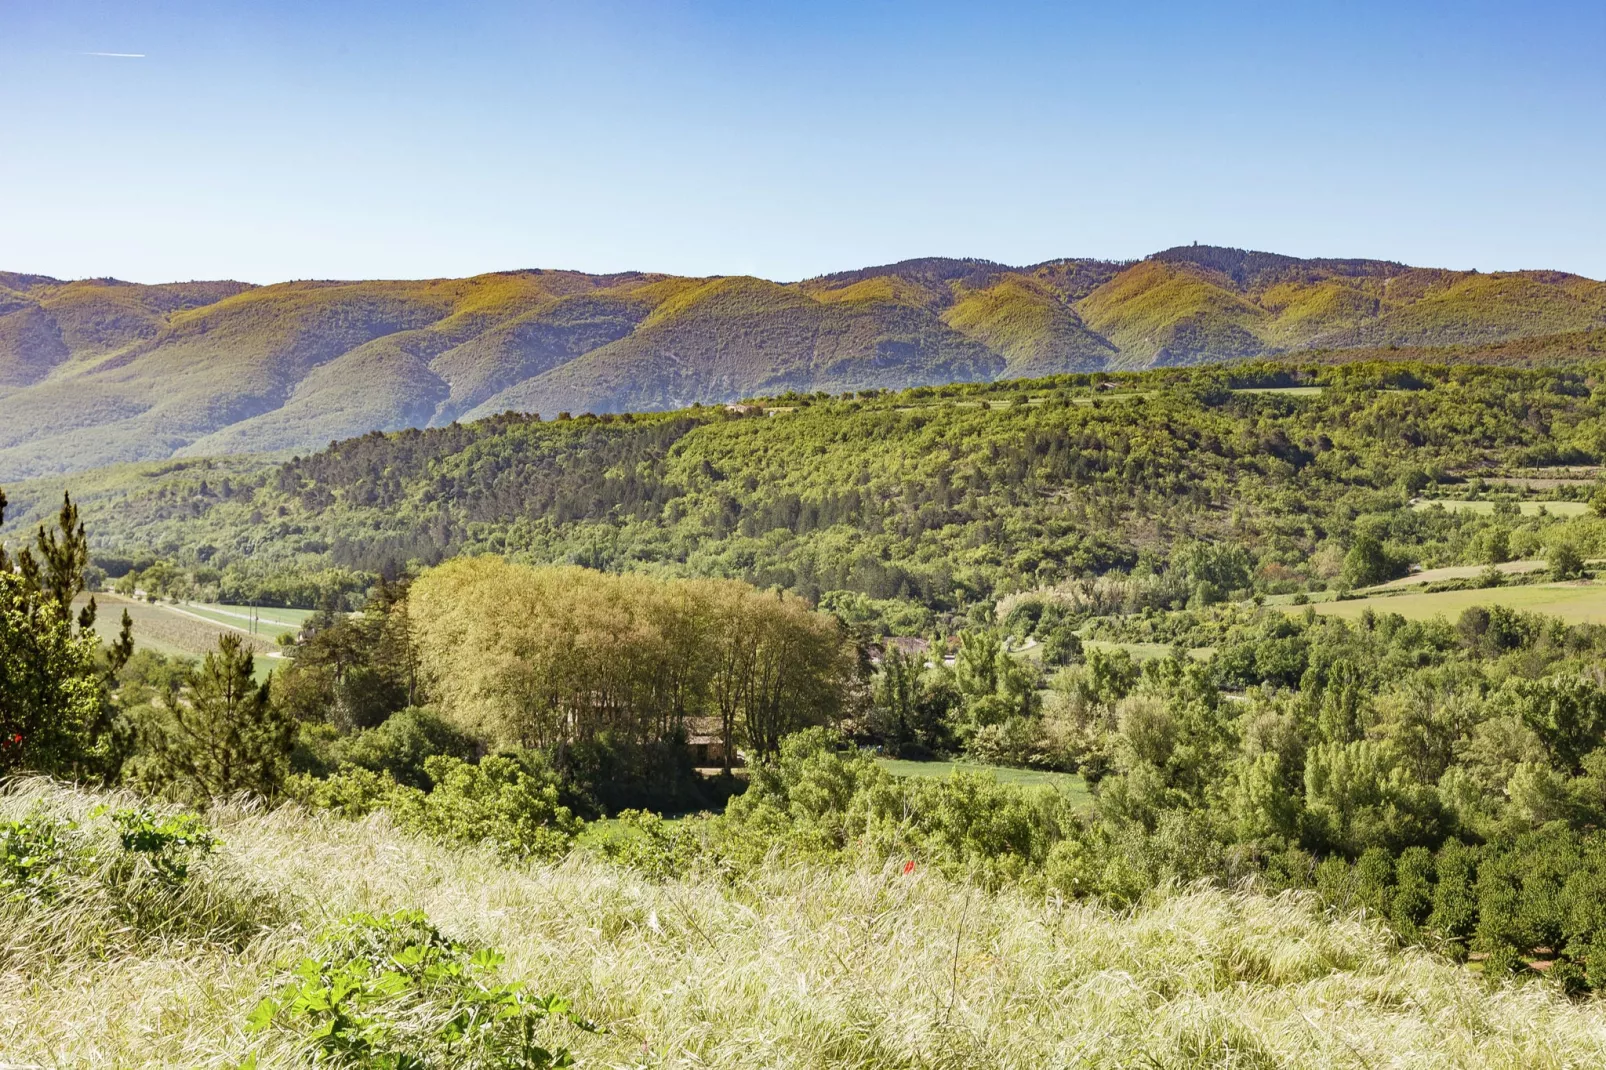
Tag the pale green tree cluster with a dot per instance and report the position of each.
(541, 657)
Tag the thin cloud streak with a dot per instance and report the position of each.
(116, 55)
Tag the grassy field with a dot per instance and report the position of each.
(1292, 391)
(1069, 783)
(1551, 508)
(1418, 579)
(270, 622)
(1144, 651)
(794, 966)
(171, 629)
(1575, 603)
(1459, 572)
(1116, 395)
(1087, 399)
(182, 631)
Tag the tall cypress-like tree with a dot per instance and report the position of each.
(217, 733)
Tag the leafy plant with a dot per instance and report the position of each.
(34, 853)
(391, 992)
(500, 801)
(170, 844)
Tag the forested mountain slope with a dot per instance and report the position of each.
(932, 499)
(98, 371)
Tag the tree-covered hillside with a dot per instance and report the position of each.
(98, 372)
(1326, 630)
(910, 504)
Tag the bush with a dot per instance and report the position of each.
(401, 746)
(648, 844)
(819, 800)
(34, 857)
(505, 802)
(608, 774)
(390, 991)
(1501, 962)
(1062, 647)
(169, 845)
(1369, 562)
(1015, 741)
(1566, 563)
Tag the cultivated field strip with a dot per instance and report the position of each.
(174, 630)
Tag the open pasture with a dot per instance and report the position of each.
(1460, 572)
(269, 622)
(1068, 783)
(1141, 652)
(1575, 603)
(1485, 508)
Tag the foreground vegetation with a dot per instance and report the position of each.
(791, 964)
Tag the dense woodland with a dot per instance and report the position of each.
(524, 623)
(902, 510)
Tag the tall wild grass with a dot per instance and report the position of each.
(790, 966)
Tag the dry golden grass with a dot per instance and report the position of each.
(803, 967)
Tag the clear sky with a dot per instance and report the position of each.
(266, 141)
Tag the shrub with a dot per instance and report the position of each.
(1014, 741)
(390, 991)
(1369, 562)
(169, 845)
(1566, 563)
(501, 801)
(652, 846)
(1501, 962)
(1062, 647)
(816, 800)
(34, 855)
(402, 745)
(610, 774)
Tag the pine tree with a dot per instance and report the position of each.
(56, 709)
(217, 733)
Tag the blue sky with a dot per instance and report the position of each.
(294, 140)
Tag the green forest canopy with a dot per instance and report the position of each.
(900, 508)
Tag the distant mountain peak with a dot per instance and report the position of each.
(98, 371)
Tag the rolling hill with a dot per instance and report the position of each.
(98, 371)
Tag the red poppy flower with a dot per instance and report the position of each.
(909, 867)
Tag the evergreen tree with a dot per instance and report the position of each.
(56, 711)
(217, 733)
(896, 693)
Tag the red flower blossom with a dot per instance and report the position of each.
(908, 867)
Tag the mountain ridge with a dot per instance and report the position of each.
(101, 371)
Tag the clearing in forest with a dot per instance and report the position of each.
(1069, 784)
(1580, 602)
(1550, 508)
